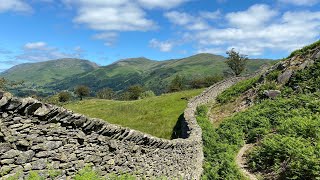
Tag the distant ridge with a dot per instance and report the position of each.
(63, 74)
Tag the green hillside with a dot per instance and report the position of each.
(157, 116)
(53, 76)
(154, 75)
(279, 118)
(36, 75)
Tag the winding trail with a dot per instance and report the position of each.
(241, 161)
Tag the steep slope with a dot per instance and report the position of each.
(278, 112)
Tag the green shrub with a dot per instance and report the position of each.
(87, 173)
(288, 129)
(307, 80)
(106, 93)
(120, 177)
(147, 94)
(288, 157)
(34, 176)
(235, 91)
(219, 156)
(64, 96)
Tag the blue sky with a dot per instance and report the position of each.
(104, 31)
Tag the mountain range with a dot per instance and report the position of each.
(45, 78)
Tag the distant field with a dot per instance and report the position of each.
(156, 115)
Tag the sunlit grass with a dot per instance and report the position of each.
(156, 115)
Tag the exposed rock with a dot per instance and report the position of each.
(272, 93)
(10, 154)
(5, 170)
(4, 147)
(42, 111)
(27, 167)
(284, 77)
(7, 161)
(39, 164)
(5, 97)
(25, 157)
(53, 145)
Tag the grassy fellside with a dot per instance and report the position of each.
(157, 116)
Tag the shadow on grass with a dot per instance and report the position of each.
(177, 130)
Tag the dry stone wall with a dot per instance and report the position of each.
(42, 137)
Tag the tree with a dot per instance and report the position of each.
(135, 91)
(177, 84)
(82, 91)
(106, 93)
(64, 96)
(236, 61)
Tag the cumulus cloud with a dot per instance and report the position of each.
(41, 51)
(300, 2)
(15, 6)
(124, 17)
(211, 50)
(110, 17)
(108, 37)
(167, 4)
(257, 15)
(120, 15)
(211, 15)
(256, 30)
(188, 21)
(35, 46)
(164, 46)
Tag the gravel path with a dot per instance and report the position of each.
(241, 162)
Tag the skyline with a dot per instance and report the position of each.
(104, 31)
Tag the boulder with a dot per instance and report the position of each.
(272, 93)
(5, 97)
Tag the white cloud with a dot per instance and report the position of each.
(166, 4)
(119, 15)
(214, 50)
(108, 37)
(188, 21)
(211, 15)
(257, 15)
(164, 46)
(124, 17)
(300, 2)
(35, 46)
(40, 51)
(14, 5)
(254, 31)
(109, 17)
